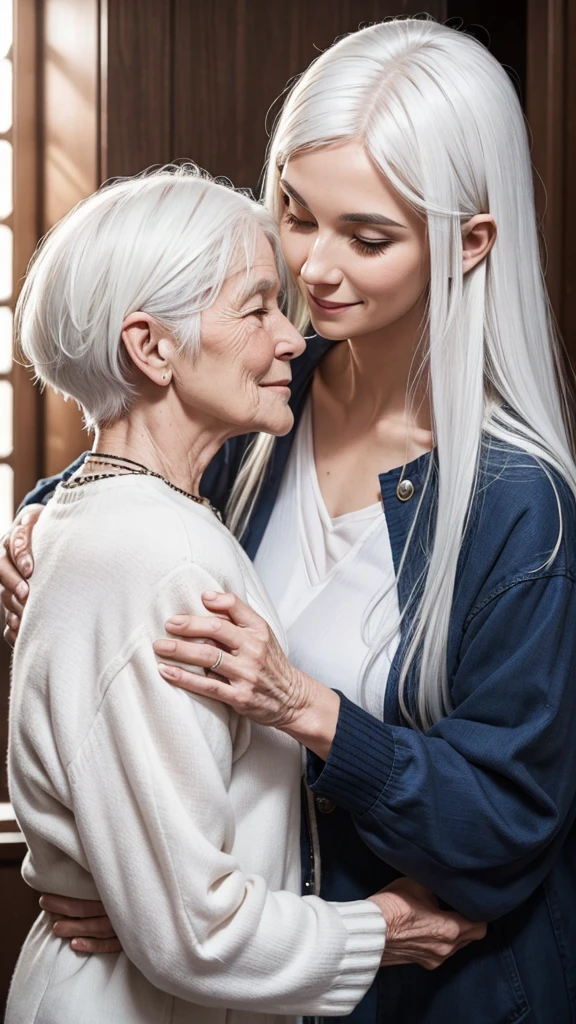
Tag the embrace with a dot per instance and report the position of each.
(293, 690)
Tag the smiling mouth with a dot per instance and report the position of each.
(276, 384)
(332, 307)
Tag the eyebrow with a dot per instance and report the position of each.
(354, 218)
(370, 218)
(261, 287)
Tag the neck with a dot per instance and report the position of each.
(164, 440)
(378, 376)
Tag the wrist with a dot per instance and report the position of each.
(314, 724)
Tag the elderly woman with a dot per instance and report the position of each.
(154, 304)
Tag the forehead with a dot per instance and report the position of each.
(341, 179)
(261, 275)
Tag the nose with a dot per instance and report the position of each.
(288, 342)
(318, 268)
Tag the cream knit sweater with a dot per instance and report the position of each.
(182, 817)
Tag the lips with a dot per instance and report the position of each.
(276, 383)
(332, 306)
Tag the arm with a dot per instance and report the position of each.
(477, 808)
(158, 838)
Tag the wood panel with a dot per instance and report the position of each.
(136, 85)
(18, 910)
(234, 58)
(69, 166)
(546, 72)
(25, 460)
(568, 313)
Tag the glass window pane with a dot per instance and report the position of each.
(5, 339)
(5, 95)
(5, 418)
(5, 26)
(6, 497)
(5, 179)
(5, 263)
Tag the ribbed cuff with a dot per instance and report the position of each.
(359, 763)
(366, 937)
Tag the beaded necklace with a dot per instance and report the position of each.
(130, 468)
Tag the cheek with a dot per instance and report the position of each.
(397, 278)
(295, 248)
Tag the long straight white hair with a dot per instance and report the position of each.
(440, 118)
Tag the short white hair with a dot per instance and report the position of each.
(162, 243)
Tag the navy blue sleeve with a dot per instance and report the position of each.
(478, 807)
(44, 489)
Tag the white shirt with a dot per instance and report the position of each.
(323, 576)
(181, 816)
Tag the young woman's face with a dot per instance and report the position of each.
(358, 252)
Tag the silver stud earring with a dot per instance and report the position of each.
(164, 376)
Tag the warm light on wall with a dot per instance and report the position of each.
(6, 272)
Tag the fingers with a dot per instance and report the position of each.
(96, 946)
(199, 626)
(11, 579)
(9, 636)
(84, 928)
(11, 603)
(239, 612)
(204, 686)
(196, 655)
(67, 906)
(20, 543)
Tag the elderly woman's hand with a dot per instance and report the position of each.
(258, 680)
(417, 931)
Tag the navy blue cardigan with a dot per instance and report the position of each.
(480, 808)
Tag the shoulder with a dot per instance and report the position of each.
(136, 533)
(524, 514)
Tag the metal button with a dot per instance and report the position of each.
(324, 805)
(405, 490)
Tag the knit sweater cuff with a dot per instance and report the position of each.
(366, 935)
(360, 761)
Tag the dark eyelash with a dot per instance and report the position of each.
(370, 248)
(297, 223)
(259, 312)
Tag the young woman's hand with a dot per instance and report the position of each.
(254, 675)
(417, 931)
(83, 921)
(16, 566)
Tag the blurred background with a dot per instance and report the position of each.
(91, 89)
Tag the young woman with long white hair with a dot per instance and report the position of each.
(430, 480)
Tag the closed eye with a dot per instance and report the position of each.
(371, 248)
(302, 225)
(260, 312)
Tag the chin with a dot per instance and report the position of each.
(278, 426)
(330, 330)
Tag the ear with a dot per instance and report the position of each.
(478, 237)
(148, 347)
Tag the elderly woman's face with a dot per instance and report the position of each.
(241, 378)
